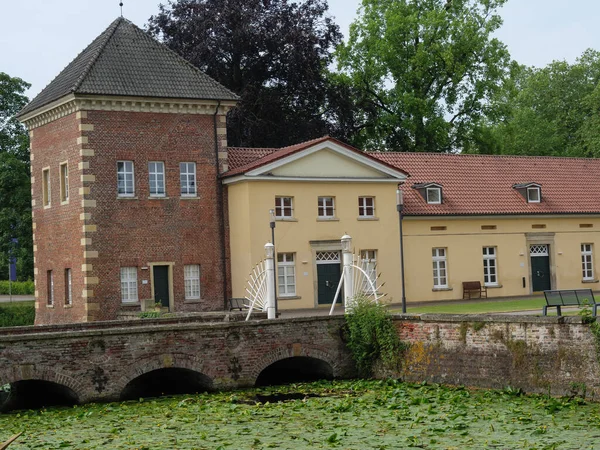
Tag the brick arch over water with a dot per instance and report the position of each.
(33, 372)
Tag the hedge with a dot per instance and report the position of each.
(18, 287)
(17, 314)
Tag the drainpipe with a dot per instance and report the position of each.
(220, 206)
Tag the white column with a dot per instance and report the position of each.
(270, 269)
(348, 273)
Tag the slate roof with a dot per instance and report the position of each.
(483, 184)
(472, 184)
(126, 61)
(244, 159)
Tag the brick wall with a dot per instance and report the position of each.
(98, 360)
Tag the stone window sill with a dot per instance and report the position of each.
(192, 301)
(47, 206)
(184, 198)
(289, 297)
(436, 289)
(66, 202)
(493, 286)
(158, 198)
(367, 219)
(590, 281)
(50, 306)
(285, 219)
(327, 219)
(67, 306)
(122, 197)
(133, 304)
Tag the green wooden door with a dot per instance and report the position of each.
(328, 278)
(540, 273)
(161, 285)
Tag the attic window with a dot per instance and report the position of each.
(533, 194)
(434, 195)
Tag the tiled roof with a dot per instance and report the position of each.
(483, 184)
(244, 159)
(124, 60)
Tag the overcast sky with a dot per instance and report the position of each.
(38, 38)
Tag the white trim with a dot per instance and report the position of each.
(587, 259)
(125, 173)
(329, 145)
(539, 194)
(435, 188)
(240, 178)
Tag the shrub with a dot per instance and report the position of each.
(17, 288)
(372, 336)
(15, 315)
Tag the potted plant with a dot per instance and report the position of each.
(158, 306)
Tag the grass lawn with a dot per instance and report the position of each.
(480, 307)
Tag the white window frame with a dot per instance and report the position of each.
(50, 287)
(185, 176)
(587, 262)
(322, 204)
(490, 261)
(440, 262)
(539, 195)
(286, 270)
(368, 263)
(191, 277)
(439, 194)
(129, 285)
(156, 175)
(283, 211)
(64, 182)
(363, 208)
(126, 173)
(68, 287)
(46, 190)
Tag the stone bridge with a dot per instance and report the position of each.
(126, 360)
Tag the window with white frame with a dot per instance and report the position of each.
(125, 179)
(129, 287)
(286, 274)
(46, 187)
(156, 174)
(187, 178)
(368, 263)
(50, 287)
(587, 262)
(284, 207)
(68, 287)
(533, 194)
(366, 206)
(64, 182)
(440, 271)
(192, 281)
(326, 207)
(434, 195)
(490, 266)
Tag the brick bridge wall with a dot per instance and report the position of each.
(97, 361)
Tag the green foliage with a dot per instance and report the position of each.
(149, 315)
(17, 314)
(424, 71)
(356, 414)
(17, 287)
(372, 337)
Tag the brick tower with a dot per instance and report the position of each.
(127, 144)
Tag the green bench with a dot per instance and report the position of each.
(569, 297)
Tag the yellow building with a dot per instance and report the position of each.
(515, 224)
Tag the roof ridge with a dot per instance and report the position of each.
(110, 33)
(480, 155)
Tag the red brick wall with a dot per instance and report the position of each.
(140, 231)
(58, 229)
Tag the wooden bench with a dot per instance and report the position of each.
(569, 297)
(470, 287)
(236, 303)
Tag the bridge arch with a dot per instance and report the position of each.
(167, 374)
(307, 362)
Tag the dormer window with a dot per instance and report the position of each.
(434, 195)
(532, 192)
(431, 192)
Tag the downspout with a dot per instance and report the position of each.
(220, 205)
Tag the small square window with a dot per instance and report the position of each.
(326, 209)
(434, 195)
(366, 206)
(284, 207)
(533, 195)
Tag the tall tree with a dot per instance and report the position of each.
(424, 69)
(274, 54)
(15, 187)
(551, 110)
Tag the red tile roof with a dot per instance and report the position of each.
(483, 184)
(472, 184)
